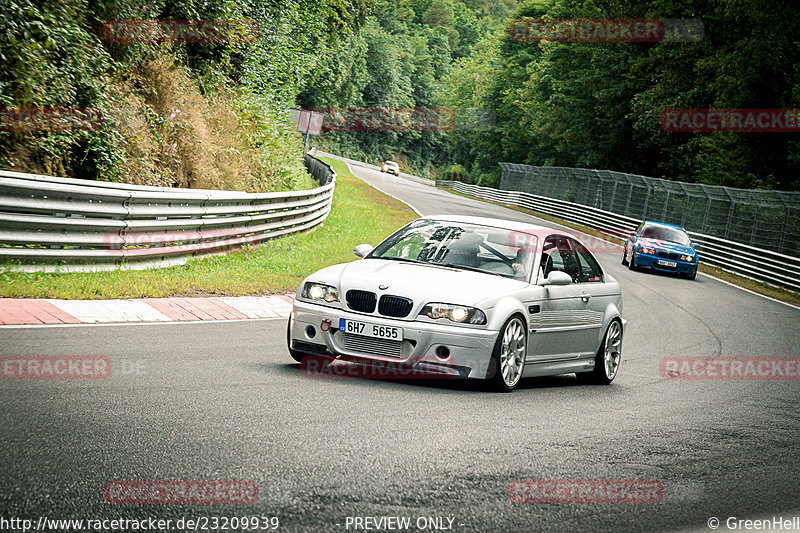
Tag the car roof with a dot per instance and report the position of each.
(654, 223)
(493, 222)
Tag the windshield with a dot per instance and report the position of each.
(664, 233)
(465, 246)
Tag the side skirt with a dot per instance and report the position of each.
(553, 368)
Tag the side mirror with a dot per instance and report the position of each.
(632, 236)
(556, 277)
(362, 250)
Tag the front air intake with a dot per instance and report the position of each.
(361, 301)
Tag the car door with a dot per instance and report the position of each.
(558, 320)
(595, 294)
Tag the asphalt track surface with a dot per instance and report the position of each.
(223, 401)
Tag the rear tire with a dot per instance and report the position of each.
(608, 358)
(508, 356)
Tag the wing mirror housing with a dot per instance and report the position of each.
(632, 236)
(362, 250)
(556, 277)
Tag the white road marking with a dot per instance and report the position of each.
(162, 323)
(110, 310)
(259, 306)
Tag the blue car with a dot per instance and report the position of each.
(662, 248)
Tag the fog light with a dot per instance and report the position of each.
(442, 352)
(311, 332)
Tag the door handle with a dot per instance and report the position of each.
(585, 297)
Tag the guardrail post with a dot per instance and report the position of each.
(705, 218)
(755, 225)
(783, 229)
(627, 209)
(730, 219)
(646, 202)
(613, 195)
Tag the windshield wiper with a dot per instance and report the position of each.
(404, 259)
(471, 269)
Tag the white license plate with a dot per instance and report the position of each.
(667, 263)
(371, 330)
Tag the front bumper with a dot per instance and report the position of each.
(651, 262)
(470, 349)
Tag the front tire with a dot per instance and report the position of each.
(625, 256)
(608, 358)
(297, 356)
(508, 356)
(632, 261)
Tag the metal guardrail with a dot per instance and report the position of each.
(765, 219)
(742, 259)
(49, 223)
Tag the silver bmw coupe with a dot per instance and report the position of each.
(468, 297)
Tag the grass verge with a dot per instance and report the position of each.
(360, 214)
(746, 283)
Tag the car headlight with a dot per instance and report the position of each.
(687, 258)
(646, 250)
(454, 313)
(319, 291)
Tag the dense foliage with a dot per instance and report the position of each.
(597, 105)
(215, 113)
(209, 113)
(401, 59)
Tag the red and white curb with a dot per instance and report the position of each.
(17, 311)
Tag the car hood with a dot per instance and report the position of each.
(666, 245)
(420, 283)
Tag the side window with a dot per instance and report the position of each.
(590, 268)
(558, 255)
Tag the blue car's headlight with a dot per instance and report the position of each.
(647, 250)
(687, 258)
(320, 291)
(454, 313)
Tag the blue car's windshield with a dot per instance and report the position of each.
(664, 233)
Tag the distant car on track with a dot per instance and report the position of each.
(661, 247)
(466, 297)
(391, 167)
